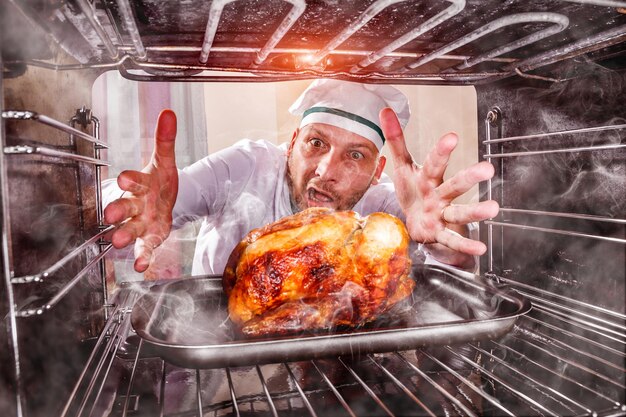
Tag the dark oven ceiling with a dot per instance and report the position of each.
(435, 41)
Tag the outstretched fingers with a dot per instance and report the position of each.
(437, 159)
(468, 213)
(464, 180)
(145, 214)
(135, 182)
(165, 139)
(144, 251)
(128, 232)
(394, 136)
(459, 243)
(122, 209)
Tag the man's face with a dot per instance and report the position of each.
(331, 167)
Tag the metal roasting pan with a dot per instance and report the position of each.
(186, 322)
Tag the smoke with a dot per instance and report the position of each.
(193, 318)
(606, 183)
(586, 181)
(592, 91)
(581, 182)
(51, 230)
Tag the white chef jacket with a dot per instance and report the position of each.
(241, 188)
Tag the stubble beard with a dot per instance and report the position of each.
(298, 200)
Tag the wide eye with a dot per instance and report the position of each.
(316, 143)
(356, 155)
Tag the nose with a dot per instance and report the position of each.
(329, 166)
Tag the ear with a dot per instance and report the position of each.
(293, 141)
(379, 169)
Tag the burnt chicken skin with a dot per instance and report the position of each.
(316, 270)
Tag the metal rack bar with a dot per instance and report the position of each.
(132, 379)
(617, 336)
(111, 348)
(452, 10)
(255, 75)
(305, 400)
(555, 231)
(438, 387)
(84, 116)
(89, 12)
(121, 337)
(76, 67)
(5, 265)
(100, 211)
(131, 27)
(49, 121)
(162, 390)
(582, 326)
(500, 381)
(40, 150)
(566, 346)
(561, 132)
(493, 401)
(298, 7)
(341, 400)
(564, 215)
(535, 37)
(558, 296)
(492, 117)
(575, 336)
(557, 373)
(586, 45)
(265, 75)
(571, 311)
(540, 386)
(199, 393)
(109, 325)
(231, 390)
(572, 363)
(400, 385)
(64, 290)
(564, 150)
(373, 10)
(266, 390)
(215, 13)
(607, 3)
(560, 22)
(367, 389)
(39, 277)
(297, 51)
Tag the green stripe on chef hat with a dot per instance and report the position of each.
(351, 106)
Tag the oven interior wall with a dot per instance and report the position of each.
(541, 180)
(50, 210)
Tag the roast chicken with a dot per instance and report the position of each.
(317, 270)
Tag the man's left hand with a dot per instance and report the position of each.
(426, 198)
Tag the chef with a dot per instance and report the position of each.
(333, 160)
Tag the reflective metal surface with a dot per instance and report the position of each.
(186, 322)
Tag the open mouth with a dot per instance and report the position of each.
(316, 197)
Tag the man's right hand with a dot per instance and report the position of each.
(144, 212)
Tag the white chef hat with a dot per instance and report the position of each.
(351, 106)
